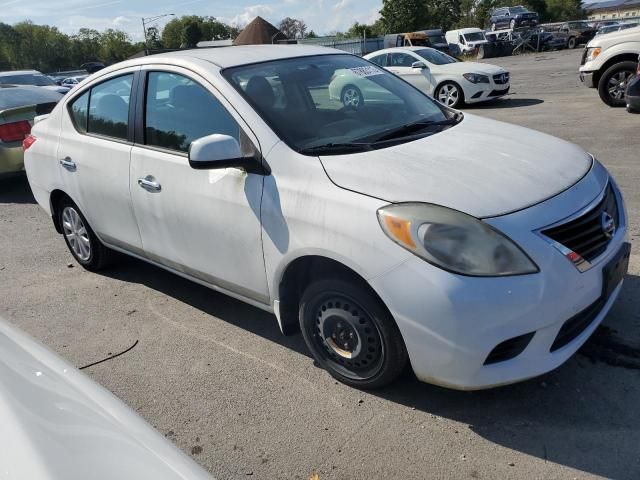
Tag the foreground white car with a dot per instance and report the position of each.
(446, 79)
(483, 252)
(57, 424)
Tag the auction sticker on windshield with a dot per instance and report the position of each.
(368, 71)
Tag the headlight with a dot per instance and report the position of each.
(476, 78)
(592, 53)
(454, 241)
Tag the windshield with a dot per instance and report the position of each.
(518, 10)
(332, 100)
(474, 37)
(437, 39)
(435, 57)
(579, 25)
(36, 79)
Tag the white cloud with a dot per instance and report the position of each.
(249, 13)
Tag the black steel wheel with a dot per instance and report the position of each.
(351, 334)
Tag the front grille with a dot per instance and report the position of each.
(509, 349)
(585, 235)
(498, 93)
(577, 324)
(499, 80)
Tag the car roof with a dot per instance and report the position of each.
(225, 57)
(469, 30)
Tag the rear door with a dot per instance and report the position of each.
(204, 223)
(94, 155)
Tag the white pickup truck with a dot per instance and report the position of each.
(609, 62)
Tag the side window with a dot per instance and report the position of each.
(109, 107)
(79, 110)
(380, 60)
(401, 60)
(179, 111)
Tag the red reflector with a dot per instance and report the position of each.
(574, 257)
(28, 141)
(14, 132)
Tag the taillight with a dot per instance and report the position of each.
(28, 141)
(15, 132)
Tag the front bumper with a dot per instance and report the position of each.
(451, 323)
(482, 92)
(587, 79)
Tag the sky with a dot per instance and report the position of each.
(322, 16)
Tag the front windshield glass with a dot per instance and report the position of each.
(36, 79)
(437, 39)
(474, 37)
(331, 101)
(435, 57)
(579, 25)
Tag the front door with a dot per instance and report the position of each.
(204, 223)
(400, 64)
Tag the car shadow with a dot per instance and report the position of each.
(15, 188)
(505, 103)
(566, 416)
(228, 309)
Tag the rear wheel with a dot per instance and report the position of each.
(351, 334)
(613, 83)
(80, 238)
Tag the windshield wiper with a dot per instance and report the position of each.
(408, 128)
(336, 148)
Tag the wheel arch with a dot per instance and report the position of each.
(55, 198)
(623, 57)
(299, 273)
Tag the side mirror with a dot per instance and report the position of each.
(420, 65)
(221, 151)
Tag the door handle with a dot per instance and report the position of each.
(68, 164)
(149, 184)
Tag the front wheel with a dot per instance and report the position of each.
(571, 44)
(450, 94)
(80, 238)
(351, 334)
(613, 83)
(352, 97)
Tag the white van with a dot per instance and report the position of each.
(465, 40)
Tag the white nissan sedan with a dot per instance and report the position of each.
(401, 231)
(450, 81)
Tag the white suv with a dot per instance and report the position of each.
(389, 231)
(609, 62)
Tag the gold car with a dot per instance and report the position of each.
(19, 105)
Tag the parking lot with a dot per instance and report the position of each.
(217, 378)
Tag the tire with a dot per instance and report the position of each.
(612, 84)
(82, 242)
(445, 94)
(371, 352)
(351, 97)
(572, 43)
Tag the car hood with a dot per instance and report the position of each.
(59, 424)
(481, 167)
(469, 67)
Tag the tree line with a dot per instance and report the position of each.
(26, 45)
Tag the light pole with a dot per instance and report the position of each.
(146, 21)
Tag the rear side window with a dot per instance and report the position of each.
(179, 111)
(80, 112)
(109, 107)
